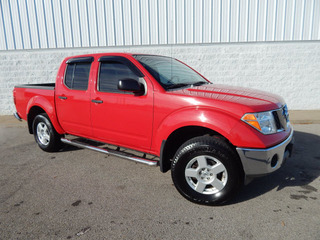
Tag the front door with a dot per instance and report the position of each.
(119, 117)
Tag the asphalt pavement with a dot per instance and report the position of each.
(81, 194)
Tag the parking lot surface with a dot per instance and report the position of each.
(80, 194)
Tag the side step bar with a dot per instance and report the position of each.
(110, 152)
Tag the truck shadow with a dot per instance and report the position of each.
(299, 171)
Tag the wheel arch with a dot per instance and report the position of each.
(180, 136)
(38, 105)
(33, 112)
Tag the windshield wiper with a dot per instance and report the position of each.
(199, 83)
(178, 85)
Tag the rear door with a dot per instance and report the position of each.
(73, 97)
(119, 117)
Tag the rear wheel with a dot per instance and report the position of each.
(45, 135)
(206, 170)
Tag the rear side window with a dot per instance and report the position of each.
(77, 76)
(111, 73)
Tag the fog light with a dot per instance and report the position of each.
(274, 161)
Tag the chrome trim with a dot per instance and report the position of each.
(46, 86)
(16, 115)
(258, 161)
(110, 152)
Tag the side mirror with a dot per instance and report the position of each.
(131, 85)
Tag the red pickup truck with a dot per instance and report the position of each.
(213, 137)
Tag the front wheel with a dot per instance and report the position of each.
(207, 171)
(45, 134)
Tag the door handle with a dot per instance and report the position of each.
(96, 101)
(62, 97)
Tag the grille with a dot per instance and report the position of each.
(281, 117)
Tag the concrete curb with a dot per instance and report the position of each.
(304, 116)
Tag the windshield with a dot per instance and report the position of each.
(169, 72)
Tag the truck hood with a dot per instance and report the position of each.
(247, 99)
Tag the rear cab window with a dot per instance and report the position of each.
(77, 73)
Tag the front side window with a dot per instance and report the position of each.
(77, 76)
(110, 74)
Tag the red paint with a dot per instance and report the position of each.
(143, 122)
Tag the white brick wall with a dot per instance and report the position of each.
(290, 69)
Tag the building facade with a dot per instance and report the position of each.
(271, 45)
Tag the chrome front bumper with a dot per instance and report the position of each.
(257, 162)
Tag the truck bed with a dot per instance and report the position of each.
(27, 95)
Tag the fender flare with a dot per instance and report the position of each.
(49, 108)
(194, 116)
(222, 122)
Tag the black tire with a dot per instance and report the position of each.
(206, 170)
(45, 135)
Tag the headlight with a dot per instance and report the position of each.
(263, 122)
